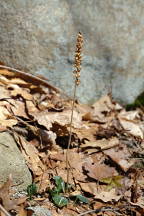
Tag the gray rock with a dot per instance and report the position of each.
(40, 211)
(39, 37)
(12, 162)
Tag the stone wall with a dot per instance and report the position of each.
(38, 36)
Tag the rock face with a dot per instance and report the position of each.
(39, 37)
(12, 162)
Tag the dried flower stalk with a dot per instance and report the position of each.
(76, 72)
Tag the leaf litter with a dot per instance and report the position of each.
(104, 158)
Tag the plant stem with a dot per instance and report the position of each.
(70, 136)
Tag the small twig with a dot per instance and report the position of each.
(103, 209)
(4, 210)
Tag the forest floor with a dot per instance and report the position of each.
(106, 156)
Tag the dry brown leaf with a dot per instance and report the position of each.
(22, 211)
(83, 109)
(101, 110)
(107, 196)
(8, 123)
(63, 173)
(6, 72)
(79, 176)
(76, 159)
(121, 156)
(18, 109)
(4, 80)
(130, 123)
(6, 120)
(18, 81)
(86, 132)
(8, 202)
(4, 113)
(99, 171)
(4, 93)
(46, 118)
(89, 187)
(43, 182)
(31, 155)
(102, 144)
(31, 108)
(17, 91)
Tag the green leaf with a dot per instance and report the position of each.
(59, 201)
(60, 185)
(31, 190)
(81, 198)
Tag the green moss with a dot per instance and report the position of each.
(139, 102)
